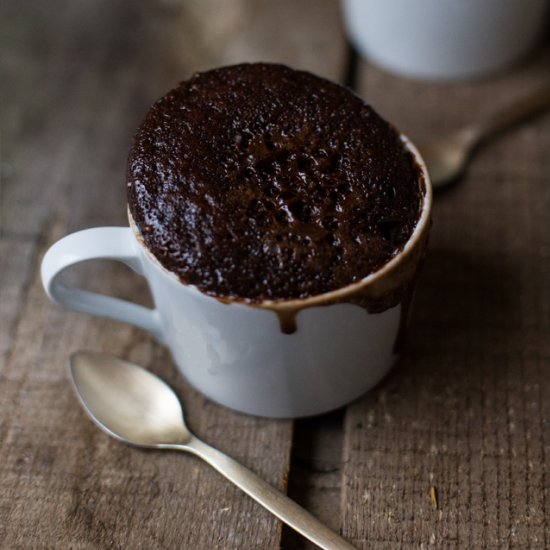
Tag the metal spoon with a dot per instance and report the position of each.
(136, 407)
(447, 157)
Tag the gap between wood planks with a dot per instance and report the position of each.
(315, 476)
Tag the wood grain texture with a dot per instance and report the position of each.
(81, 75)
(467, 409)
(315, 476)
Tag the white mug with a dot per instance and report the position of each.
(444, 39)
(237, 353)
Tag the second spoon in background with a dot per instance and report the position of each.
(447, 156)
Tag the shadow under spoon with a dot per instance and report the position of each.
(446, 157)
(136, 407)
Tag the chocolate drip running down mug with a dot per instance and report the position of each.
(281, 358)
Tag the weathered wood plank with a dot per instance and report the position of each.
(466, 411)
(305, 35)
(80, 77)
(315, 478)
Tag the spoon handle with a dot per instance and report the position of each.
(512, 114)
(270, 498)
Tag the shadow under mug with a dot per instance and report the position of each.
(238, 354)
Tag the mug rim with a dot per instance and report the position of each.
(423, 223)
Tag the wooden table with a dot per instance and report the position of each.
(452, 450)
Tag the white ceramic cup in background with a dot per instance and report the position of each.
(236, 353)
(444, 39)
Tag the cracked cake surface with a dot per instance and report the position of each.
(260, 182)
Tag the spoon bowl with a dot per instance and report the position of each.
(447, 157)
(147, 413)
(134, 406)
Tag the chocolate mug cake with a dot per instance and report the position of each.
(258, 182)
(265, 204)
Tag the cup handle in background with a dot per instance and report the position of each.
(112, 243)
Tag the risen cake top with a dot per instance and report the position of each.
(260, 182)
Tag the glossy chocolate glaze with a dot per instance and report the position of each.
(258, 182)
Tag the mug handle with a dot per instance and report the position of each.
(113, 243)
